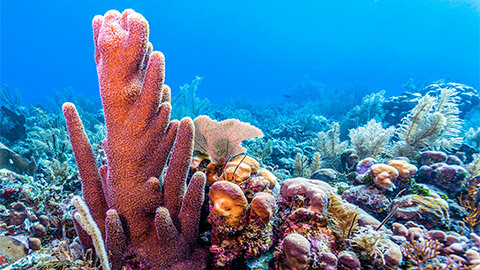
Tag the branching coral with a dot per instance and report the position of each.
(302, 168)
(370, 140)
(432, 124)
(471, 202)
(186, 102)
(421, 251)
(330, 147)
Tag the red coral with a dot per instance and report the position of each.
(3, 260)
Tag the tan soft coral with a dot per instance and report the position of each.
(405, 169)
(383, 175)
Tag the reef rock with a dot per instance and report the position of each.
(12, 249)
(430, 212)
(367, 197)
(450, 178)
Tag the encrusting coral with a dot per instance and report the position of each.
(150, 222)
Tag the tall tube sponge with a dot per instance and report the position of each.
(140, 215)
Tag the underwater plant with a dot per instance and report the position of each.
(370, 140)
(433, 124)
(187, 103)
(330, 147)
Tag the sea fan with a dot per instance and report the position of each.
(222, 140)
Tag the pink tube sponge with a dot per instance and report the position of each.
(146, 213)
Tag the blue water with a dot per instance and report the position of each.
(257, 49)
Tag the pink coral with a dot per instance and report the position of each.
(315, 191)
(153, 221)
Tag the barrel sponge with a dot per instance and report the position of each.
(227, 200)
(297, 251)
(263, 205)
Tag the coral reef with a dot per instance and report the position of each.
(231, 190)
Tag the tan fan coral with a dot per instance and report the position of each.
(222, 140)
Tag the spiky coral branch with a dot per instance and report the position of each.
(420, 252)
(471, 203)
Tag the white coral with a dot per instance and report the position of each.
(433, 124)
(370, 140)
